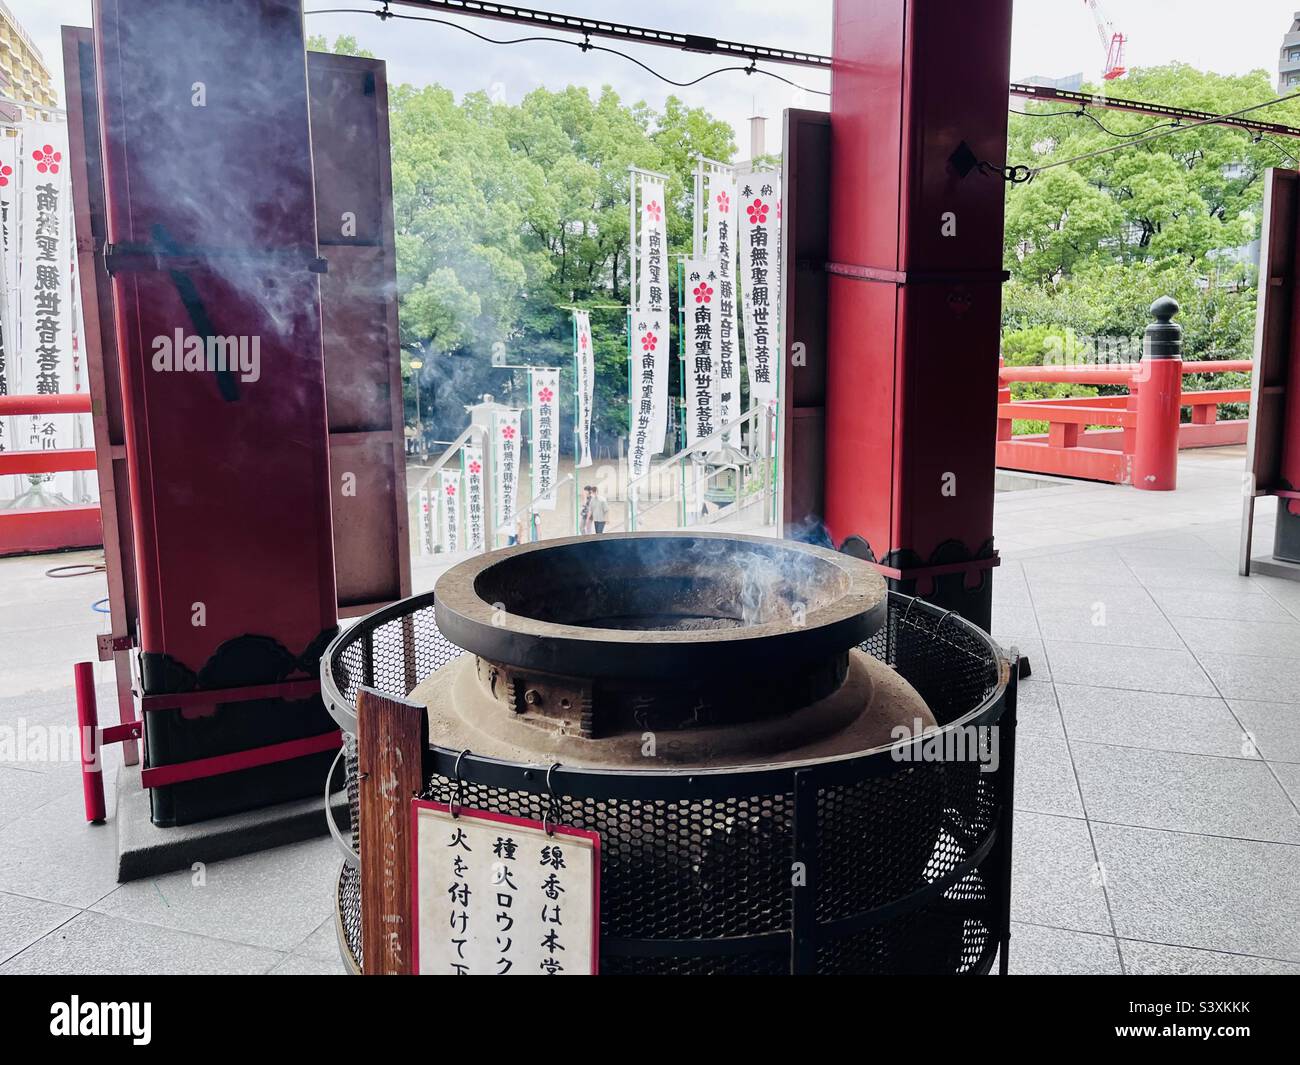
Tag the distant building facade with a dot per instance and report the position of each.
(1288, 63)
(1071, 82)
(23, 73)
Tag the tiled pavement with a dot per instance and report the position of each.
(1157, 823)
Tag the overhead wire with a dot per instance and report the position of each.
(583, 45)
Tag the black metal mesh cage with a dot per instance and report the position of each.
(865, 864)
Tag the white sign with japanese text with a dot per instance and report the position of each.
(500, 896)
(585, 366)
(545, 446)
(760, 274)
(472, 467)
(721, 244)
(505, 440)
(449, 514)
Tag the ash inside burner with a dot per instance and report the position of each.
(664, 623)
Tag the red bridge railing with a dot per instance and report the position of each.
(25, 530)
(1127, 439)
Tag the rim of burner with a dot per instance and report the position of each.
(471, 622)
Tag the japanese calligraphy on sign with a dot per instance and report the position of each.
(426, 522)
(499, 896)
(10, 167)
(721, 245)
(472, 468)
(649, 339)
(449, 491)
(585, 364)
(650, 335)
(45, 332)
(701, 344)
(505, 460)
(760, 273)
(545, 447)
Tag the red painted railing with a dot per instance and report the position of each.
(1135, 438)
(27, 530)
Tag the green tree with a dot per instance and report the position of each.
(1092, 243)
(508, 216)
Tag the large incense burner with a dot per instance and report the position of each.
(646, 649)
(744, 721)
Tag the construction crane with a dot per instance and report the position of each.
(1112, 42)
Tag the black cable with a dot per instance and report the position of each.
(1271, 141)
(584, 45)
(1022, 174)
(1083, 113)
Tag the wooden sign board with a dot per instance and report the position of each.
(500, 896)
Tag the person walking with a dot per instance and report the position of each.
(599, 509)
(585, 527)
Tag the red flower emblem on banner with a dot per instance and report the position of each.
(545, 395)
(451, 489)
(702, 293)
(757, 212)
(778, 210)
(47, 159)
(5, 171)
(582, 340)
(475, 467)
(508, 431)
(724, 202)
(649, 342)
(654, 211)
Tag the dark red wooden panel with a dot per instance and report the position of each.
(207, 151)
(359, 307)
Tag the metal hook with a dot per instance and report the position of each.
(460, 785)
(553, 807)
(385, 14)
(946, 615)
(908, 612)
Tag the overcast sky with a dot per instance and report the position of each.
(1050, 37)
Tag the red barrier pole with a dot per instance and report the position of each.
(92, 768)
(1159, 387)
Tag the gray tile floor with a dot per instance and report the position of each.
(1157, 825)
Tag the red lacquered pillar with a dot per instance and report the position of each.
(914, 291)
(1159, 386)
(92, 767)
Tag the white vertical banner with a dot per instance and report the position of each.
(505, 463)
(584, 363)
(10, 167)
(652, 302)
(45, 288)
(649, 368)
(544, 446)
(700, 344)
(449, 510)
(472, 466)
(720, 244)
(426, 522)
(760, 275)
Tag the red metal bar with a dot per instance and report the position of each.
(1121, 373)
(200, 768)
(289, 689)
(55, 460)
(59, 403)
(92, 769)
(49, 529)
(1073, 415)
(123, 733)
(1215, 397)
